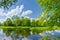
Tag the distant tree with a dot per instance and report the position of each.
(8, 22)
(26, 22)
(33, 23)
(16, 20)
(37, 23)
(0, 24)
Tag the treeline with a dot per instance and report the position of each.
(17, 21)
(22, 21)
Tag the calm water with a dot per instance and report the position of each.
(25, 34)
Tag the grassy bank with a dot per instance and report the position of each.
(42, 28)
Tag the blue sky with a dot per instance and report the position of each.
(30, 5)
(28, 8)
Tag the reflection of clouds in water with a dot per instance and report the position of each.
(52, 33)
(31, 33)
(1, 31)
(8, 38)
(31, 37)
(3, 36)
(25, 38)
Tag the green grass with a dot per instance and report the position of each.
(41, 28)
(33, 29)
(21, 27)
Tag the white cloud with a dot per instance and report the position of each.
(26, 12)
(16, 11)
(1, 12)
(26, 17)
(12, 12)
(30, 18)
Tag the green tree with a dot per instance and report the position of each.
(37, 23)
(16, 20)
(33, 23)
(26, 22)
(54, 7)
(50, 4)
(8, 22)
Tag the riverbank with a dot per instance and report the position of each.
(41, 28)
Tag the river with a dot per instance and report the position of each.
(25, 34)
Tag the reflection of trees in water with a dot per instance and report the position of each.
(24, 32)
(49, 37)
(21, 31)
(15, 32)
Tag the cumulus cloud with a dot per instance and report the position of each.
(26, 17)
(1, 12)
(12, 12)
(16, 11)
(26, 12)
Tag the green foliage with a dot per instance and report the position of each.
(37, 23)
(17, 31)
(49, 4)
(26, 22)
(52, 7)
(33, 23)
(7, 3)
(16, 20)
(8, 22)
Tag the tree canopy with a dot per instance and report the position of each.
(52, 7)
(7, 3)
(50, 4)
